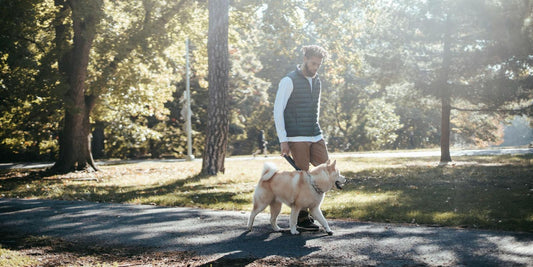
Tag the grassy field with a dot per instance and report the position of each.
(488, 192)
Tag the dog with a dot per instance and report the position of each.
(296, 189)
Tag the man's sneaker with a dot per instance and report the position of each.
(306, 225)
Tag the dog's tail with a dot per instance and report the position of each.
(269, 169)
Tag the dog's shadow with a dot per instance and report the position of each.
(263, 242)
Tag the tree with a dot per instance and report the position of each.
(383, 86)
(248, 97)
(28, 112)
(139, 66)
(217, 111)
(459, 53)
(79, 98)
(74, 142)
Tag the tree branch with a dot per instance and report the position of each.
(520, 110)
(39, 46)
(132, 42)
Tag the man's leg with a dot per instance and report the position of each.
(307, 152)
(301, 153)
(318, 153)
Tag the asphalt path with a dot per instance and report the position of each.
(223, 234)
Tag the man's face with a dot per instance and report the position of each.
(311, 66)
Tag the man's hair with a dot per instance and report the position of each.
(314, 51)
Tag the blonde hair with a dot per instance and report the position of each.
(314, 51)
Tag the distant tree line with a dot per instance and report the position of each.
(107, 78)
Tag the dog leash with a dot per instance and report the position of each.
(291, 161)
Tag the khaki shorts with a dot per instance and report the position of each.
(308, 152)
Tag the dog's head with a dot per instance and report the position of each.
(328, 175)
(335, 175)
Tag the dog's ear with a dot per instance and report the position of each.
(331, 166)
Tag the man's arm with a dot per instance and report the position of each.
(282, 97)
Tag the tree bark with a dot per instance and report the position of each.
(445, 131)
(218, 66)
(445, 97)
(74, 143)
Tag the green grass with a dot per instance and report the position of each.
(488, 192)
(14, 258)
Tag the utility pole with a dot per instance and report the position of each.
(190, 156)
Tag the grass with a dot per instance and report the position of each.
(14, 258)
(22, 250)
(488, 192)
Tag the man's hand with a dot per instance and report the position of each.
(285, 150)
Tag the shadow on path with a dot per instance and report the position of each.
(222, 235)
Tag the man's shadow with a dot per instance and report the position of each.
(263, 242)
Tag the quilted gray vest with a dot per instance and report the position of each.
(301, 112)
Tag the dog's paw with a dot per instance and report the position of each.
(329, 232)
(295, 232)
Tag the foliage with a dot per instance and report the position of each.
(380, 84)
(29, 112)
(481, 65)
(419, 117)
(248, 92)
(138, 85)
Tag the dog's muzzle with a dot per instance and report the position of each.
(340, 184)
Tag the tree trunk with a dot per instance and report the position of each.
(98, 140)
(445, 131)
(445, 95)
(217, 111)
(74, 143)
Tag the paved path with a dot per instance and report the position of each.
(223, 234)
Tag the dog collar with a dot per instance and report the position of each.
(318, 190)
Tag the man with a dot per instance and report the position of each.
(296, 111)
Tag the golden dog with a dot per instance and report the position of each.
(296, 189)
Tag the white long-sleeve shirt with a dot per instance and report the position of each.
(282, 97)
